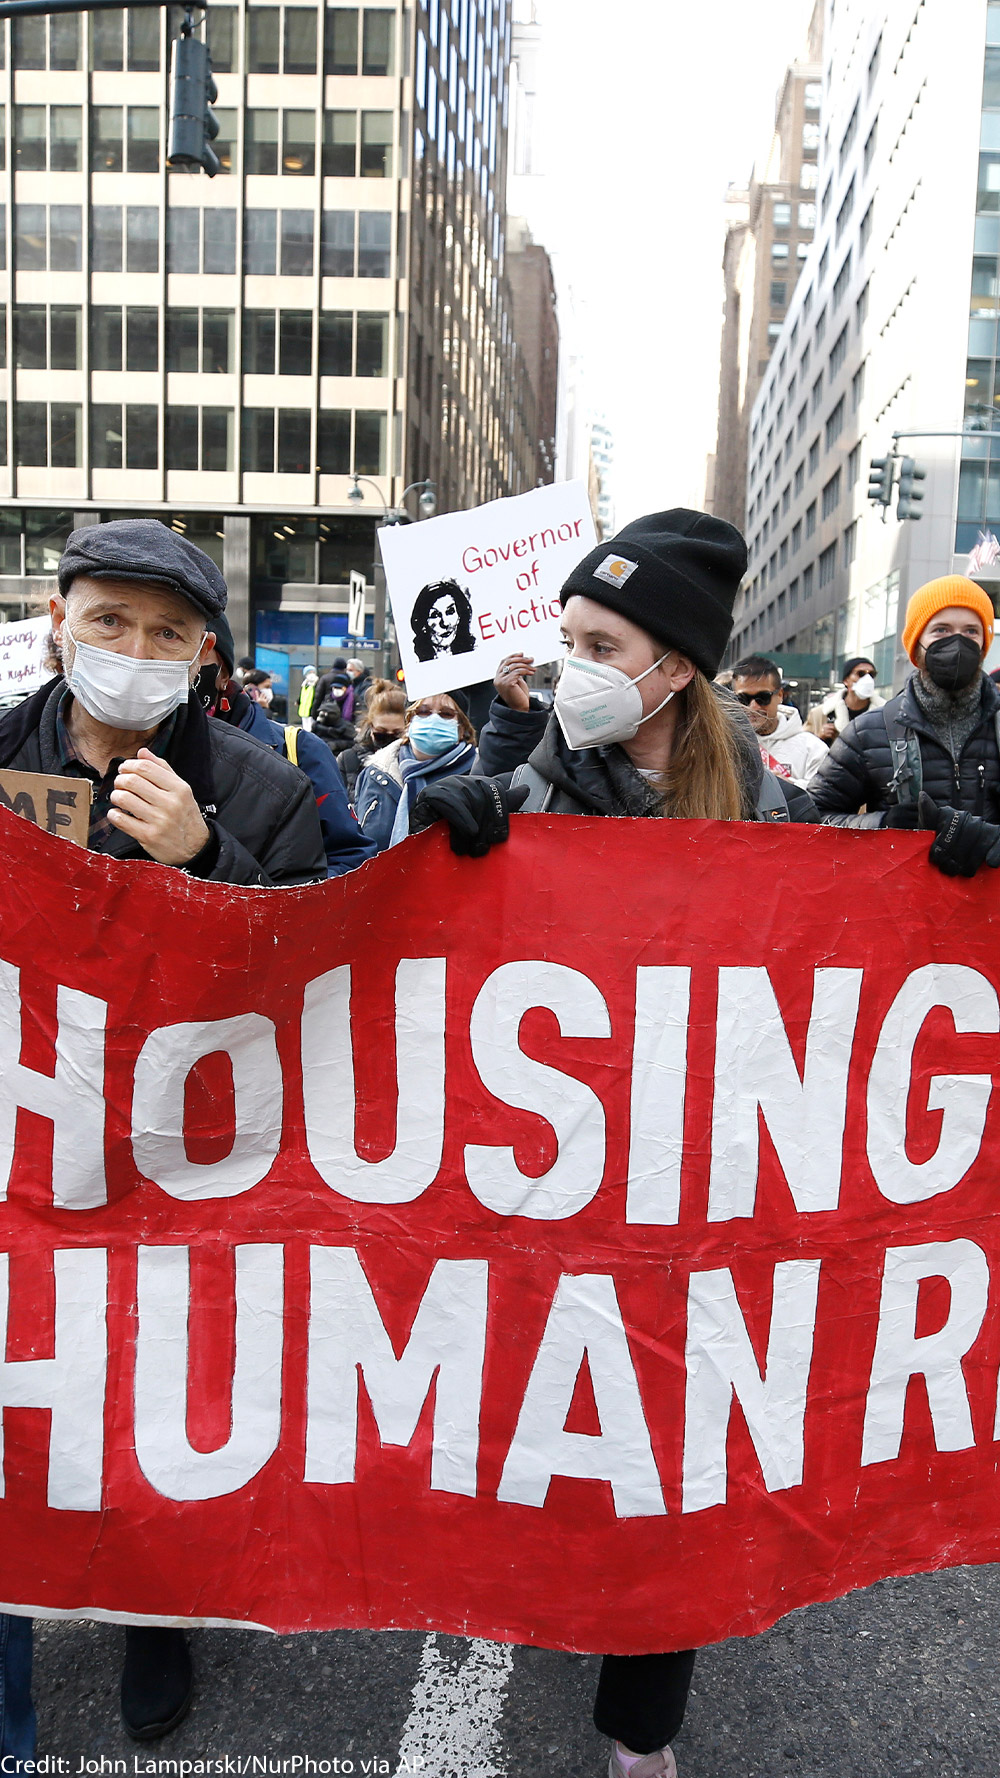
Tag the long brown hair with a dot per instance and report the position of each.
(382, 698)
(703, 781)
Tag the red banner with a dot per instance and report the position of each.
(588, 1246)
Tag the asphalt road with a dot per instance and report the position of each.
(902, 1678)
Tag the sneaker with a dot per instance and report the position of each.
(654, 1765)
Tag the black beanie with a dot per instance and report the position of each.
(675, 574)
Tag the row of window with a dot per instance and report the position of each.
(279, 40)
(837, 358)
(199, 340)
(126, 139)
(830, 496)
(49, 237)
(818, 574)
(50, 435)
(781, 214)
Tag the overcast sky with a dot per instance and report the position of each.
(649, 108)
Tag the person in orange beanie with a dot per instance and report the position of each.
(930, 758)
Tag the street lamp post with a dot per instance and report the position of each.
(391, 515)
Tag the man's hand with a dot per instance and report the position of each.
(510, 678)
(829, 730)
(963, 842)
(155, 807)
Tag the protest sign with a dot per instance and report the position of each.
(639, 1289)
(22, 656)
(468, 588)
(60, 805)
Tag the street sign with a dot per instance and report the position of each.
(356, 607)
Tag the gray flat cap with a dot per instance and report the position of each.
(144, 550)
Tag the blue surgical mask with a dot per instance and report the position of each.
(432, 735)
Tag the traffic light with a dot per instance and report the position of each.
(910, 496)
(880, 478)
(193, 124)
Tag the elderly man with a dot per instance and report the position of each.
(132, 622)
(930, 757)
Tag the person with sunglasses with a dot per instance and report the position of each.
(438, 742)
(785, 746)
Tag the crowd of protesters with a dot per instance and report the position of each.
(188, 768)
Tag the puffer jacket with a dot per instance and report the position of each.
(508, 737)
(858, 770)
(603, 780)
(259, 809)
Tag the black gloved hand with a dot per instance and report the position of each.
(905, 816)
(963, 842)
(477, 811)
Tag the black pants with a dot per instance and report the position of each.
(640, 1698)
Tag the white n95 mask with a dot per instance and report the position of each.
(124, 693)
(863, 687)
(597, 705)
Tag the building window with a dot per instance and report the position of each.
(779, 294)
(810, 138)
(48, 238)
(854, 466)
(796, 537)
(779, 253)
(783, 553)
(379, 33)
(334, 441)
(799, 481)
(341, 40)
(340, 144)
(814, 456)
(261, 141)
(201, 341)
(294, 450)
(808, 176)
(834, 424)
(141, 250)
(871, 141)
(263, 40)
(48, 434)
(47, 338)
(203, 240)
(48, 138)
(298, 142)
(801, 420)
(781, 213)
(850, 542)
(199, 439)
(861, 308)
(128, 445)
(300, 40)
(295, 342)
(857, 388)
(812, 94)
(848, 138)
(807, 582)
(845, 212)
(337, 244)
(831, 495)
(807, 217)
(841, 282)
(47, 43)
(838, 351)
(810, 519)
(873, 65)
(817, 392)
(374, 244)
(865, 232)
(296, 243)
(828, 565)
(826, 199)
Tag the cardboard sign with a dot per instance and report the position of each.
(60, 805)
(472, 1244)
(22, 656)
(469, 588)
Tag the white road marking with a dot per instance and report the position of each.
(452, 1730)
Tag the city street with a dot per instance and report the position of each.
(901, 1678)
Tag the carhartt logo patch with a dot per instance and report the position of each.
(615, 570)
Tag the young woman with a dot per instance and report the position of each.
(637, 730)
(438, 742)
(383, 722)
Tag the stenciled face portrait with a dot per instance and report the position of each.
(441, 620)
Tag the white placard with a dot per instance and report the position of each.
(22, 656)
(469, 588)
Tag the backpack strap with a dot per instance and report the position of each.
(907, 779)
(771, 804)
(292, 744)
(540, 791)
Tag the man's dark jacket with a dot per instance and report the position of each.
(859, 768)
(260, 810)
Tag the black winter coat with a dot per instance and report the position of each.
(860, 766)
(603, 781)
(509, 737)
(352, 763)
(259, 808)
(332, 727)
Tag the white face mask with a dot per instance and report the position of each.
(125, 693)
(596, 705)
(863, 687)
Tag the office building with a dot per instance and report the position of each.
(892, 329)
(230, 354)
(769, 228)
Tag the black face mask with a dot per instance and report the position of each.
(952, 662)
(382, 738)
(205, 686)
